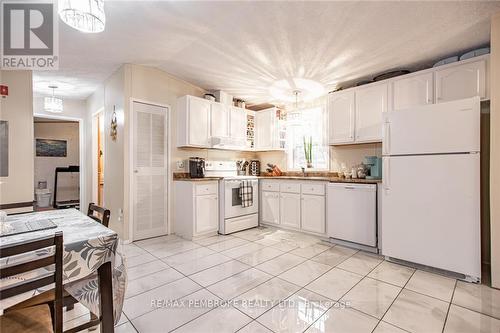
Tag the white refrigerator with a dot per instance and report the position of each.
(431, 186)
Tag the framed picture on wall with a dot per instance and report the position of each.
(51, 148)
(4, 148)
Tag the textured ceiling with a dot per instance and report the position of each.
(243, 47)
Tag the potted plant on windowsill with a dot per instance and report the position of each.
(308, 152)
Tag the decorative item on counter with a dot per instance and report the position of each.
(114, 125)
(354, 173)
(308, 151)
(363, 170)
(274, 170)
(210, 97)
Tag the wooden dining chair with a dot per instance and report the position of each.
(39, 318)
(102, 215)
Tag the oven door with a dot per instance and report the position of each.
(232, 199)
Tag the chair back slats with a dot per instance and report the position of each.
(26, 267)
(12, 250)
(36, 263)
(105, 214)
(27, 286)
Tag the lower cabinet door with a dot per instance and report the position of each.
(270, 207)
(207, 213)
(313, 213)
(290, 209)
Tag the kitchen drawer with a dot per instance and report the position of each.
(290, 187)
(271, 186)
(207, 188)
(313, 188)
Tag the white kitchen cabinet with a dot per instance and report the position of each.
(193, 120)
(341, 117)
(206, 213)
(290, 210)
(219, 120)
(270, 206)
(238, 125)
(411, 91)
(298, 205)
(264, 130)
(269, 130)
(313, 213)
(196, 208)
(371, 102)
(461, 81)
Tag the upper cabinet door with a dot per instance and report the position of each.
(264, 123)
(198, 115)
(462, 81)
(341, 117)
(371, 102)
(238, 128)
(219, 121)
(412, 91)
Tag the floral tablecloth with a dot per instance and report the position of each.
(87, 245)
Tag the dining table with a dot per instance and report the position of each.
(93, 264)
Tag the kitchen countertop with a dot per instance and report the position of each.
(330, 179)
(204, 179)
(325, 179)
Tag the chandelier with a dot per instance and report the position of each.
(83, 15)
(53, 104)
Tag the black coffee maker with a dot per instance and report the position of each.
(196, 167)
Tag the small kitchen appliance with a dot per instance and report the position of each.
(196, 167)
(375, 165)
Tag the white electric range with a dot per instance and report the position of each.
(233, 216)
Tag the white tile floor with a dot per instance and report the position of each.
(270, 280)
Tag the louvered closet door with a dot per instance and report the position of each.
(149, 185)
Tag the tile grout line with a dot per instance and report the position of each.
(394, 300)
(449, 305)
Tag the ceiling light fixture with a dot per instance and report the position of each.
(53, 104)
(83, 15)
(285, 90)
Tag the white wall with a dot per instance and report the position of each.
(17, 109)
(72, 108)
(495, 151)
(68, 184)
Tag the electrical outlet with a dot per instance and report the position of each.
(181, 165)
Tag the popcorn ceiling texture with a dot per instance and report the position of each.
(243, 47)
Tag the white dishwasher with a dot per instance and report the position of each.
(352, 213)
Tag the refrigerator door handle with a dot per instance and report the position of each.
(386, 174)
(387, 138)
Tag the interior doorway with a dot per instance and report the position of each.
(98, 158)
(56, 163)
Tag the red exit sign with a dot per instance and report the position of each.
(4, 90)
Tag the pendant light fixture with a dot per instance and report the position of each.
(53, 104)
(83, 15)
(293, 116)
